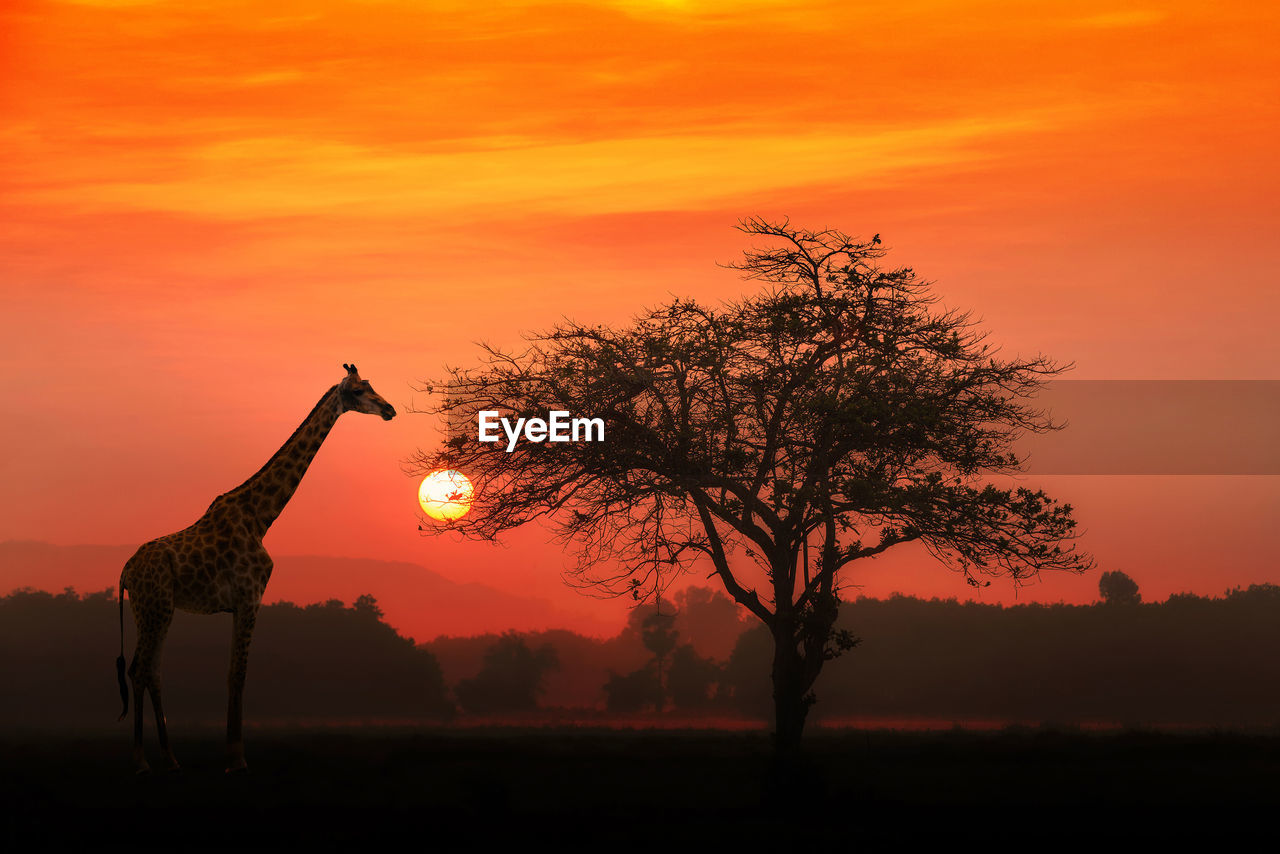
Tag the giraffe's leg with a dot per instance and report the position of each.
(157, 706)
(153, 623)
(242, 634)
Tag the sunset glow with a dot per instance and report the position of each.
(207, 208)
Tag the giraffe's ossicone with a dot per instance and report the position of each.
(219, 565)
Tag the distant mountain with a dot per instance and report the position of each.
(418, 602)
(44, 566)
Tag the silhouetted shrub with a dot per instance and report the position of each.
(511, 679)
(636, 691)
(1117, 588)
(691, 679)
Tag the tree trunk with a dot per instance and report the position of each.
(790, 687)
(792, 781)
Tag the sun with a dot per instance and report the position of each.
(445, 495)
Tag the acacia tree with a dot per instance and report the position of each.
(840, 410)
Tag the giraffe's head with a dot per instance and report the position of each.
(358, 396)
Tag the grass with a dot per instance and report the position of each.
(594, 787)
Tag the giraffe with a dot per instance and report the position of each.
(219, 565)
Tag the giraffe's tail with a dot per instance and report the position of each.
(120, 669)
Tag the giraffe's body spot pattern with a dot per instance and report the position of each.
(201, 569)
(219, 564)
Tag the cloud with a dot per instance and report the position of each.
(280, 176)
(1124, 18)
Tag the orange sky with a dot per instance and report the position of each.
(206, 207)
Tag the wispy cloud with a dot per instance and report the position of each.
(282, 176)
(1122, 18)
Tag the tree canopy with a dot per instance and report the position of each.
(512, 677)
(1117, 587)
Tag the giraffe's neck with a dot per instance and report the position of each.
(263, 497)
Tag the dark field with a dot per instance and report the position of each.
(466, 789)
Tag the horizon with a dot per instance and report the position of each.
(543, 617)
(922, 663)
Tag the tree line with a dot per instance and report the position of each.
(1188, 660)
(322, 660)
